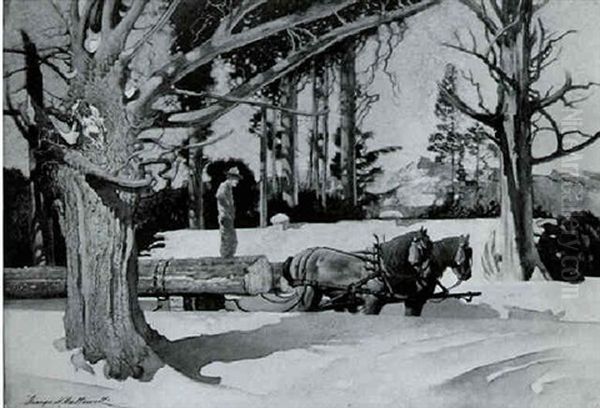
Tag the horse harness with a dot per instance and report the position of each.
(374, 263)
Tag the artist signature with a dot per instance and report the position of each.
(70, 400)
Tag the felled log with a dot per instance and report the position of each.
(244, 275)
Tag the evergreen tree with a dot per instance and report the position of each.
(367, 168)
(447, 142)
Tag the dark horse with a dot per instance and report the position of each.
(410, 266)
(452, 252)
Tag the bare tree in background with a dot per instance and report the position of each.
(516, 50)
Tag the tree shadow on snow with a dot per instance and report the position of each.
(189, 355)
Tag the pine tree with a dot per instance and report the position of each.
(447, 142)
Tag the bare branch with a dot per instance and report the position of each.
(84, 19)
(537, 7)
(546, 45)
(482, 15)
(122, 30)
(488, 119)
(245, 8)
(496, 71)
(55, 69)
(220, 44)
(502, 32)
(108, 10)
(477, 87)
(129, 54)
(561, 94)
(169, 74)
(553, 127)
(290, 63)
(229, 99)
(561, 151)
(18, 118)
(10, 73)
(74, 26)
(498, 10)
(60, 15)
(79, 162)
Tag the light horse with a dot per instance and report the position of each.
(410, 265)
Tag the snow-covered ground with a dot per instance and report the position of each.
(529, 344)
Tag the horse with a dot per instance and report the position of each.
(410, 266)
(451, 252)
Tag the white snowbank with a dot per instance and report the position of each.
(506, 349)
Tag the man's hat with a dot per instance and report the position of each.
(233, 172)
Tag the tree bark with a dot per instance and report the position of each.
(196, 186)
(452, 176)
(103, 316)
(477, 171)
(348, 123)
(274, 144)
(314, 157)
(263, 169)
(289, 126)
(519, 253)
(325, 148)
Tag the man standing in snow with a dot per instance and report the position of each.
(226, 208)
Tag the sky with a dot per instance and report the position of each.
(419, 62)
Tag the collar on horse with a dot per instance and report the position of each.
(373, 260)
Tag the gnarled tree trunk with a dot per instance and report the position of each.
(103, 316)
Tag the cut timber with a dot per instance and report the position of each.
(244, 275)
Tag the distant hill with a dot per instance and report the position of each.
(423, 183)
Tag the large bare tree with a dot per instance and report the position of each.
(516, 50)
(97, 165)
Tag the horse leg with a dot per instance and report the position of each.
(413, 307)
(310, 299)
(372, 306)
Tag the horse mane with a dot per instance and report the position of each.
(394, 253)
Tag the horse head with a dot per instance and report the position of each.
(420, 248)
(463, 259)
